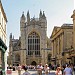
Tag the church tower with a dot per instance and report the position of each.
(43, 23)
(23, 39)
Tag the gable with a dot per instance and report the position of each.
(55, 30)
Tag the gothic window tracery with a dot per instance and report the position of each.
(33, 44)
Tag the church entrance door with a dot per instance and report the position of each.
(34, 63)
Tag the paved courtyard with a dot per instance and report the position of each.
(32, 72)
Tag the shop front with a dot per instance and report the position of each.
(3, 48)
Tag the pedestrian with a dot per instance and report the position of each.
(39, 69)
(26, 71)
(19, 69)
(74, 69)
(63, 67)
(13, 68)
(58, 71)
(46, 69)
(71, 66)
(9, 71)
(68, 70)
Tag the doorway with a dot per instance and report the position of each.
(34, 63)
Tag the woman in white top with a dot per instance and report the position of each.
(39, 69)
(58, 71)
(46, 69)
(9, 71)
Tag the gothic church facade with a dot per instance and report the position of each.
(31, 47)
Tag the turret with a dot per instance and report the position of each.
(43, 20)
(10, 35)
(28, 17)
(43, 16)
(13, 36)
(22, 21)
(10, 41)
(40, 15)
(22, 24)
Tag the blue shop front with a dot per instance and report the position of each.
(3, 48)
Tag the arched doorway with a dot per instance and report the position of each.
(34, 63)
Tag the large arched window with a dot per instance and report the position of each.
(33, 44)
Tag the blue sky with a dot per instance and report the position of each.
(57, 12)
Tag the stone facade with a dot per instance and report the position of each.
(72, 52)
(3, 47)
(31, 47)
(3, 21)
(62, 42)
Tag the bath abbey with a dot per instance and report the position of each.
(32, 47)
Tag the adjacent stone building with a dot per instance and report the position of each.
(62, 43)
(3, 47)
(31, 47)
(72, 52)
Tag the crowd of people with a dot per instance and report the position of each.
(67, 69)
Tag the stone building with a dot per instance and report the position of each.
(72, 52)
(62, 43)
(3, 47)
(31, 47)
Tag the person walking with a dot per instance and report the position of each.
(26, 71)
(74, 69)
(68, 70)
(39, 69)
(9, 71)
(19, 69)
(58, 71)
(46, 69)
